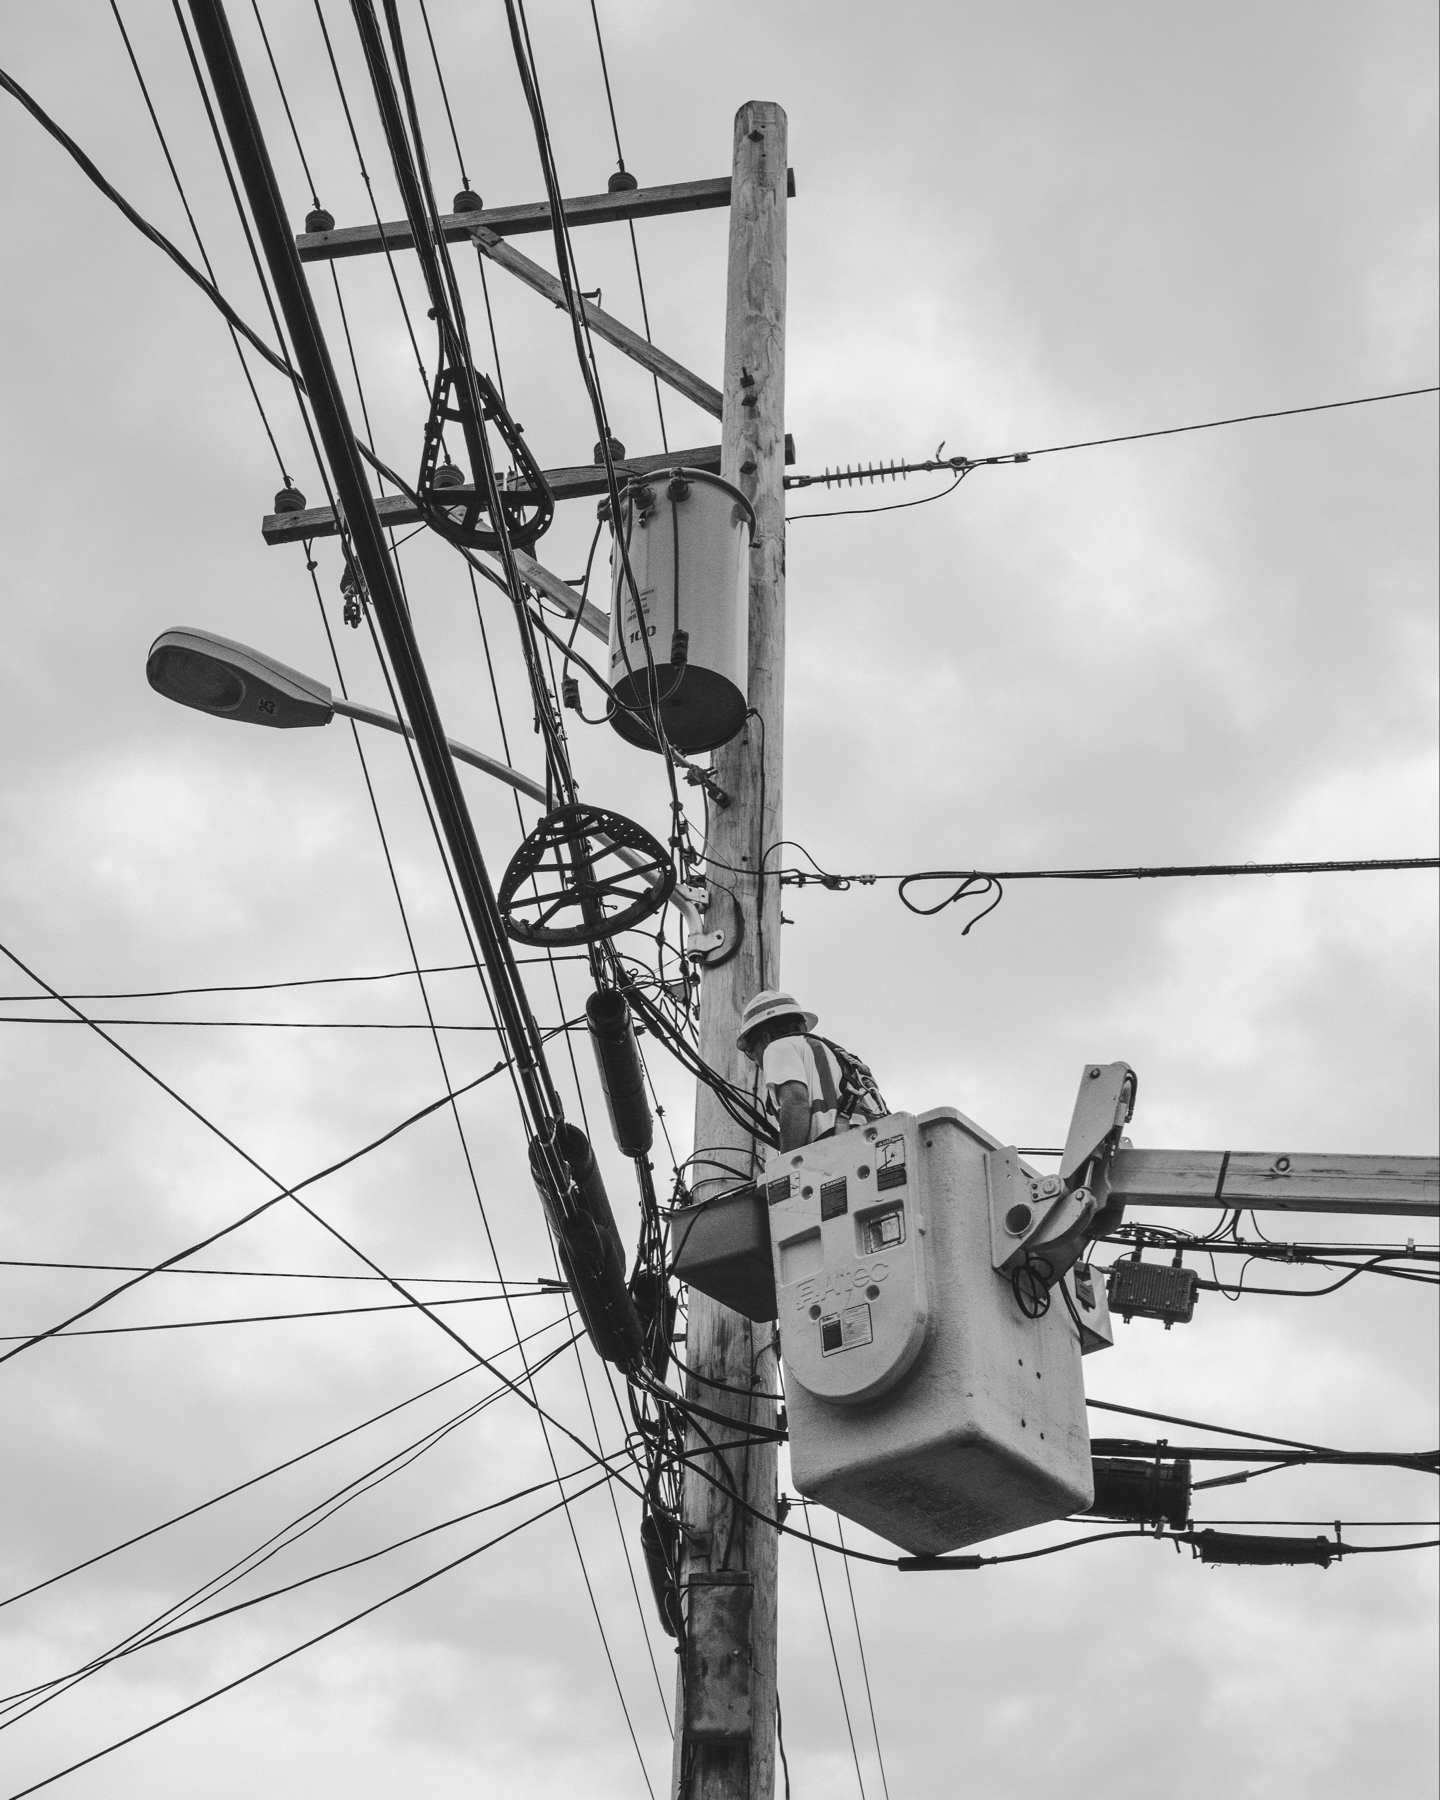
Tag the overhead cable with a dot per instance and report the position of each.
(309, 1643)
(323, 1312)
(962, 465)
(157, 238)
(253, 1480)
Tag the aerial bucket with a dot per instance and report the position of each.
(687, 538)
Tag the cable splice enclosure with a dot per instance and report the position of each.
(617, 1056)
(589, 1245)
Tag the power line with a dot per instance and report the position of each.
(157, 238)
(284, 1024)
(962, 465)
(255, 987)
(323, 1312)
(835, 1659)
(545, 1281)
(322, 1512)
(159, 1637)
(253, 1480)
(308, 1644)
(864, 1662)
(1256, 1437)
(195, 232)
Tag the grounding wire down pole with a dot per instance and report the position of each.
(357, 506)
(725, 1704)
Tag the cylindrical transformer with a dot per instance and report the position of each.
(683, 651)
(607, 1013)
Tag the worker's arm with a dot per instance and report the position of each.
(792, 1098)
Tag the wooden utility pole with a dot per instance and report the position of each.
(725, 1706)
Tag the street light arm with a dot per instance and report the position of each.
(477, 759)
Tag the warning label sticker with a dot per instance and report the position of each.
(846, 1330)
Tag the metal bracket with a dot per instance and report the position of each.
(1030, 1214)
(717, 944)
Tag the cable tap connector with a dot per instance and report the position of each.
(570, 692)
(680, 649)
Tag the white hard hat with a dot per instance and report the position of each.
(769, 1004)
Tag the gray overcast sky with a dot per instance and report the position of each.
(1015, 227)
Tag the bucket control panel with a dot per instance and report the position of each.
(849, 1238)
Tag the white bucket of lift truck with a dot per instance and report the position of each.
(687, 538)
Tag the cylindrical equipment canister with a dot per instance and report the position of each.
(590, 1250)
(617, 1055)
(686, 536)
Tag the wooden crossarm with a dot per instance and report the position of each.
(514, 221)
(1381, 1186)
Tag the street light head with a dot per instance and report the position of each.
(232, 681)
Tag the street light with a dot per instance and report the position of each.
(216, 675)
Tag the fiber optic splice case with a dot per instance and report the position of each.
(923, 1402)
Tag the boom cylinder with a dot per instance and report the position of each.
(617, 1056)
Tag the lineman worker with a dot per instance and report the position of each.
(813, 1088)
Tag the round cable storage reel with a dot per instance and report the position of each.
(595, 875)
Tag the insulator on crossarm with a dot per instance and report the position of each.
(467, 200)
(289, 499)
(622, 182)
(319, 220)
(617, 451)
(449, 475)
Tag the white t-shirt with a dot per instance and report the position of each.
(789, 1059)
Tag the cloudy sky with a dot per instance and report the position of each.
(1015, 227)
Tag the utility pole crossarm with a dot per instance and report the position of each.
(1380, 1186)
(515, 221)
(578, 481)
(672, 373)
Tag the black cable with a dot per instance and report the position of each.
(1258, 1437)
(864, 1664)
(780, 1742)
(634, 242)
(165, 1624)
(195, 1113)
(835, 1659)
(324, 1312)
(240, 1487)
(966, 877)
(285, 102)
(370, 195)
(160, 1637)
(195, 232)
(17, 1262)
(161, 242)
(274, 1661)
(1287, 412)
(965, 464)
(255, 987)
(431, 1026)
